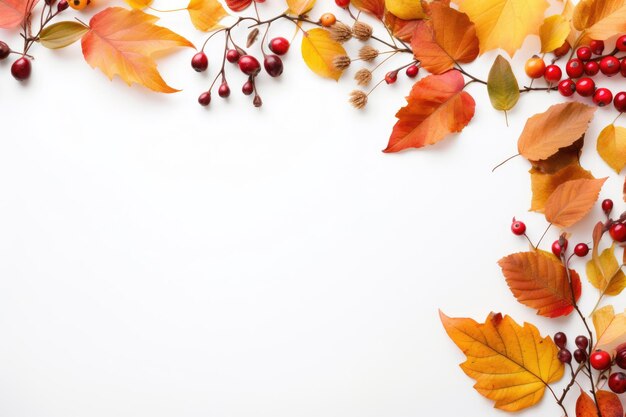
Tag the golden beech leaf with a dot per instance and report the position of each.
(446, 38)
(205, 14)
(319, 51)
(124, 42)
(401, 29)
(300, 7)
(62, 34)
(373, 7)
(139, 4)
(612, 146)
(610, 328)
(609, 404)
(12, 12)
(605, 272)
(572, 200)
(559, 126)
(502, 85)
(553, 32)
(504, 23)
(544, 184)
(512, 364)
(406, 9)
(600, 19)
(436, 107)
(538, 280)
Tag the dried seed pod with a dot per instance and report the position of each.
(340, 32)
(252, 36)
(368, 53)
(363, 77)
(341, 62)
(362, 31)
(358, 99)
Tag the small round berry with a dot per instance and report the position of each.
(597, 47)
(560, 339)
(620, 102)
(574, 68)
(21, 69)
(79, 4)
(620, 359)
(535, 67)
(609, 65)
(580, 355)
(223, 90)
(232, 56)
(600, 360)
(581, 250)
(583, 53)
(585, 87)
(553, 73)
(558, 249)
(327, 20)
(279, 45)
(567, 87)
(412, 71)
(518, 228)
(62, 5)
(205, 98)
(562, 50)
(200, 62)
(342, 3)
(273, 65)
(564, 356)
(5, 51)
(50, 2)
(247, 88)
(249, 65)
(617, 382)
(257, 101)
(622, 67)
(620, 43)
(602, 97)
(581, 342)
(391, 77)
(592, 68)
(607, 204)
(618, 232)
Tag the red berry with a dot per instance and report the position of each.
(232, 55)
(553, 73)
(592, 68)
(412, 71)
(600, 360)
(205, 98)
(580, 355)
(620, 43)
(391, 77)
(607, 204)
(200, 62)
(617, 382)
(620, 102)
(583, 53)
(581, 342)
(5, 51)
(249, 65)
(558, 249)
(21, 69)
(597, 47)
(618, 232)
(602, 97)
(585, 87)
(564, 356)
(574, 68)
(560, 339)
(279, 46)
(622, 67)
(247, 88)
(620, 359)
(273, 65)
(518, 228)
(562, 50)
(609, 65)
(342, 3)
(581, 250)
(224, 90)
(567, 87)
(62, 5)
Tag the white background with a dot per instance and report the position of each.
(162, 259)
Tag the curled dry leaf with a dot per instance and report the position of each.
(12, 12)
(605, 273)
(600, 19)
(206, 14)
(502, 85)
(511, 364)
(565, 122)
(252, 37)
(62, 34)
(446, 38)
(406, 9)
(609, 404)
(538, 280)
(300, 7)
(553, 32)
(436, 107)
(319, 52)
(611, 146)
(544, 184)
(572, 200)
(373, 7)
(610, 328)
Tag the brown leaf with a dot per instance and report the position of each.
(543, 185)
(572, 200)
(609, 404)
(563, 158)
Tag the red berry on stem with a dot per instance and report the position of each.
(5, 51)
(412, 71)
(564, 356)
(62, 5)
(391, 77)
(622, 67)
(567, 87)
(581, 250)
(279, 46)
(247, 88)
(232, 56)
(602, 97)
(21, 69)
(205, 98)
(620, 43)
(553, 73)
(560, 339)
(592, 68)
(620, 359)
(600, 360)
(518, 228)
(200, 62)
(620, 102)
(585, 87)
(562, 50)
(580, 355)
(618, 232)
(223, 90)
(581, 342)
(597, 47)
(583, 53)
(558, 249)
(574, 68)
(249, 65)
(607, 204)
(342, 3)
(609, 65)
(273, 65)
(617, 382)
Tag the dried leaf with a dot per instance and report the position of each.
(446, 38)
(319, 51)
(252, 37)
(609, 404)
(559, 126)
(13, 12)
(511, 364)
(206, 14)
(572, 200)
(553, 32)
(300, 7)
(543, 185)
(238, 5)
(502, 85)
(373, 7)
(610, 328)
(401, 29)
(600, 19)
(405, 9)
(611, 146)
(436, 107)
(605, 273)
(564, 157)
(62, 34)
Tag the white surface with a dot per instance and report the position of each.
(161, 259)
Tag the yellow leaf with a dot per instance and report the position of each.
(511, 364)
(572, 200)
(553, 33)
(205, 14)
(502, 85)
(62, 34)
(139, 4)
(300, 7)
(544, 184)
(125, 42)
(504, 23)
(319, 51)
(610, 328)
(612, 146)
(406, 9)
(600, 19)
(605, 273)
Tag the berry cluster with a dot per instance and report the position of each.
(580, 70)
(559, 246)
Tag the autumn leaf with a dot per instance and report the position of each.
(436, 107)
(553, 32)
(611, 146)
(502, 85)
(605, 273)
(124, 42)
(538, 280)
(62, 34)
(401, 29)
(205, 14)
(446, 38)
(139, 4)
(564, 157)
(512, 365)
(504, 23)
(373, 7)
(572, 200)
(12, 12)
(600, 19)
(300, 7)
(406, 9)
(609, 404)
(544, 184)
(610, 328)
(238, 5)
(319, 51)
(559, 126)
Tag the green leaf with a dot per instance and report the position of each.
(62, 34)
(502, 85)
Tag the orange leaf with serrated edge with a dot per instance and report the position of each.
(401, 29)
(319, 50)
(559, 126)
(13, 12)
(512, 364)
(600, 19)
(609, 404)
(373, 7)
(543, 185)
(610, 328)
(446, 38)
(436, 107)
(205, 14)
(238, 5)
(124, 42)
(572, 200)
(538, 280)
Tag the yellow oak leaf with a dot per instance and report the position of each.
(553, 32)
(543, 184)
(125, 42)
(600, 19)
(504, 23)
(206, 14)
(572, 200)
(406, 9)
(611, 146)
(512, 364)
(319, 51)
(610, 328)
(605, 272)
